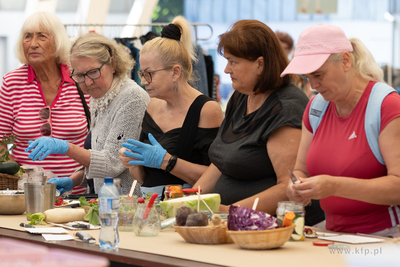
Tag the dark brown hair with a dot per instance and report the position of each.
(285, 38)
(251, 39)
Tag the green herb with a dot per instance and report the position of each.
(93, 214)
(36, 218)
(4, 153)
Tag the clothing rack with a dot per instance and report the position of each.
(75, 30)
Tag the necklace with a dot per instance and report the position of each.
(99, 105)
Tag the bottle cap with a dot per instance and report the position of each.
(108, 180)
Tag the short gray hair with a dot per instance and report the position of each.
(100, 48)
(50, 23)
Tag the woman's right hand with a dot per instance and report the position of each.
(63, 184)
(293, 195)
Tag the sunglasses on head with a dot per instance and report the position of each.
(45, 114)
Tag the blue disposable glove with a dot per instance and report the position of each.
(44, 146)
(63, 184)
(146, 155)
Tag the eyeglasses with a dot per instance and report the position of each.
(45, 114)
(92, 74)
(147, 74)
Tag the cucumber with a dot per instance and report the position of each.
(9, 167)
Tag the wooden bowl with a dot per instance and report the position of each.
(11, 204)
(204, 234)
(263, 239)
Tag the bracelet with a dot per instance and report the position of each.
(171, 163)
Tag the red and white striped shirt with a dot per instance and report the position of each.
(21, 98)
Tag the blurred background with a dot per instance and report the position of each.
(375, 22)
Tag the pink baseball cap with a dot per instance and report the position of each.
(314, 46)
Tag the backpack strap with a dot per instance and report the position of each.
(317, 111)
(372, 122)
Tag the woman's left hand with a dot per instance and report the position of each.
(316, 187)
(145, 154)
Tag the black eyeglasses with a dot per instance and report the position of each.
(147, 74)
(92, 74)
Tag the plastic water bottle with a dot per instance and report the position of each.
(108, 213)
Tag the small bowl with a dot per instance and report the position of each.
(204, 234)
(11, 203)
(263, 239)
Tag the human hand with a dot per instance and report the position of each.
(293, 195)
(316, 187)
(44, 146)
(124, 158)
(145, 154)
(63, 184)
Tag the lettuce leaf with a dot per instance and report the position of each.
(36, 218)
(243, 219)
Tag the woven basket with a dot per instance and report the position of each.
(8, 181)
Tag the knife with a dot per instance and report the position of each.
(26, 225)
(294, 179)
(81, 226)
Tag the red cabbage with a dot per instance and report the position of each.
(243, 219)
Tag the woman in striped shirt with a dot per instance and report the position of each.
(117, 108)
(42, 85)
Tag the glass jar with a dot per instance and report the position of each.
(149, 226)
(298, 210)
(127, 209)
(172, 191)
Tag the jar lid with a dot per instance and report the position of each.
(190, 190)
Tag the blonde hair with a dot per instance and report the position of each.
(173, 52)
(102, 49)
(45, 21)
(362, 61)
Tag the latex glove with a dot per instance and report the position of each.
(63, 184)
(146, 155)
(44, 146)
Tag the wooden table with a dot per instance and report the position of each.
(169, 249)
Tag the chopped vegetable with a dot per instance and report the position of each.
(93, 201)
(59, 201)
(243, 219)
(36, 218)
(140, 200)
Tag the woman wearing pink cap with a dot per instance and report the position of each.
(259, 138)
(349, 150)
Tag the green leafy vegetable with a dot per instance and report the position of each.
(93, 214)
(37, 218)
(7, 139)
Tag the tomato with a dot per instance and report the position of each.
(59, 201)
(93, 201)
